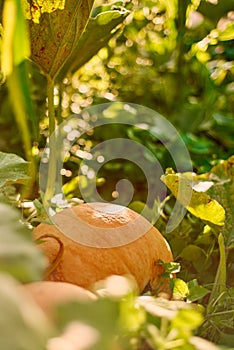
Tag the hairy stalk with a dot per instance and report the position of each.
(50, 186)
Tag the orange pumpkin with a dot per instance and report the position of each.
(49, 294)
(93, 241)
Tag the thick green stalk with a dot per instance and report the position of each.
(51, 179)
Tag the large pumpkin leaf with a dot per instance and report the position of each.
(53, 40)
(222, 176)
(201, 205)
(98, 32)
(12, 169)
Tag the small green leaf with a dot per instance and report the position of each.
(170, 268)
(199, 204)
(196, 291)
(13, 169)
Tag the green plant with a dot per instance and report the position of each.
(173, 56)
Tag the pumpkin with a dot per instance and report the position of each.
(92, 241)
(48, 294)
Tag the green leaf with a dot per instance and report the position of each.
(19, 257)
(98, 32)
(196, 255)
(53, 41)
(18, 85)
(15, 46)
(169, 268)
(15, 50)
(22, 324)
(199, 204)
(196, 291)
(13, 169)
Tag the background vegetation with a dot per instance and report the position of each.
(174, 56)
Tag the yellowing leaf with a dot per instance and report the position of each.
(199, 204)
(180, 289)
(35, 9)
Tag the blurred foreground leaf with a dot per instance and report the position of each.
(22, 324)
(12, 169)
(18, 255)
(101, 315)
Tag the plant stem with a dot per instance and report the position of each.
(51, 111)
(222, 264)
(181, 49)
(51, 178)
(221, 275)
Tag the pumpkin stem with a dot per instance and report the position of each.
(58, 257)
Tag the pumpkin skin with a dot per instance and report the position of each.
(49, 294)
(84, 265)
